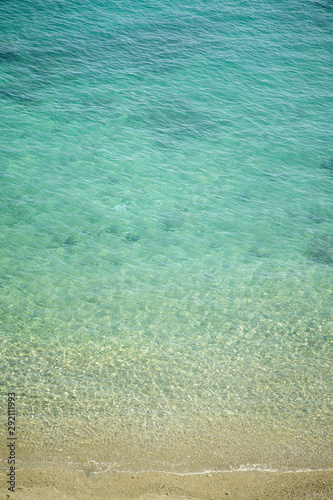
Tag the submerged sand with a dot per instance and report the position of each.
(58, 484)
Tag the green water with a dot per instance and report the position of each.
(166, 233)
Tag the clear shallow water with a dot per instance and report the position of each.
(166, 232)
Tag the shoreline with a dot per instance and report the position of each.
(69, 460)
(59, 483)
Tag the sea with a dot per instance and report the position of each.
(166, 244)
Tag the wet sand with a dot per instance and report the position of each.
(58, 484)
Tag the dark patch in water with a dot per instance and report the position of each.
(326, 6)
(15, 95)
(17, 210)
(132, 237)
(71, 240)
(112, 229)
(317, 214)
(260, 252)
(112, 179)
(317, 219)
(115, 262)
(320, 250)
(8, 53)
(175, 120)
(328, 165)
(171, 223)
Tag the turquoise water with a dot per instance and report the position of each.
(166, 175)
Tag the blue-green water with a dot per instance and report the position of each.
(166, 175)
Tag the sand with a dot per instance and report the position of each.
(54, 484)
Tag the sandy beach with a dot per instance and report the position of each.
(58, 484)
(131, 468)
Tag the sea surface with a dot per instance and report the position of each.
(166, 245)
